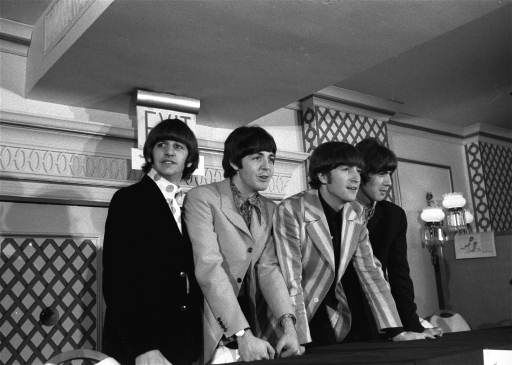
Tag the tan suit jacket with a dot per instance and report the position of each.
(224, 251)
(304, 247)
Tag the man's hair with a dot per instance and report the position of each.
(330, 155)
(377, 158)
(242, 142)
(176, 130)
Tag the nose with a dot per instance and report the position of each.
(170, 151)
(354, 174)
(265, 164)
(387, 179)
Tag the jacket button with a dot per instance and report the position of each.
(183, 308)
(249, 249)
(238, 280)
(315, 300)
(182, 274)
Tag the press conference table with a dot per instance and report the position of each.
(451, 349)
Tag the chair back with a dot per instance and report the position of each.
(79, 354)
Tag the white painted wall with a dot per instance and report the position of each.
(478, 288)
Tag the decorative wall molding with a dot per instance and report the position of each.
(62, 174)
(52, 123)
(14, 48)
(15, 32)
(51, 162)
(14, 37)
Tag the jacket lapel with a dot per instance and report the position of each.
(229, 209)
(351, 217)
(317, 227)
(153, 193)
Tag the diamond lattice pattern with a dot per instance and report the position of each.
(47, 272)
(497, 165)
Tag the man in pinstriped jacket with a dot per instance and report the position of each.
(318, 233)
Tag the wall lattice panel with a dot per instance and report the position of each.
(53, 272)
(478, 187)
(321, 124)
(497, 166)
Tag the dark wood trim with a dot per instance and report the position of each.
(14, 39)
(53, 201)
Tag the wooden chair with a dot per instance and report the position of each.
(76, 355)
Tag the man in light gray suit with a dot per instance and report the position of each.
(229, 225)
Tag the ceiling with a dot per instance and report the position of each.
(448, 61)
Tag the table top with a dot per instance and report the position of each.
(463, 348)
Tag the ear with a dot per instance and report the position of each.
(235, 167)
(323, 178)
(188, 164)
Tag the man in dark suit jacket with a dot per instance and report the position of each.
(152, 299)
(387, 226)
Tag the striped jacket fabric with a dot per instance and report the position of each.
(304, 249)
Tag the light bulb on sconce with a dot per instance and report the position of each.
(455, 215)
(440, 225)
(432, 234)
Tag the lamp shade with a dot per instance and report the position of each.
(432, 214)
(468, 216)
(453, 200)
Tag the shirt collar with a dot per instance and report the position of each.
(168, 189)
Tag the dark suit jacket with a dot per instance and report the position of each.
(388, 229)
(152, 298)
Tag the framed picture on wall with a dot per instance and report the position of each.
(474, 245)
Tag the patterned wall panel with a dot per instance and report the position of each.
(276, 188)
(478, 187)
(497, 167)
(321, 124)
(36, 164)
(47, 271)
(57, 163)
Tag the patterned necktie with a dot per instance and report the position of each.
(245, 206)
(174, 199)
(246, 209)
(340, 317)
(172, 193)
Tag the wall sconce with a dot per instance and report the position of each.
(440, 226)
